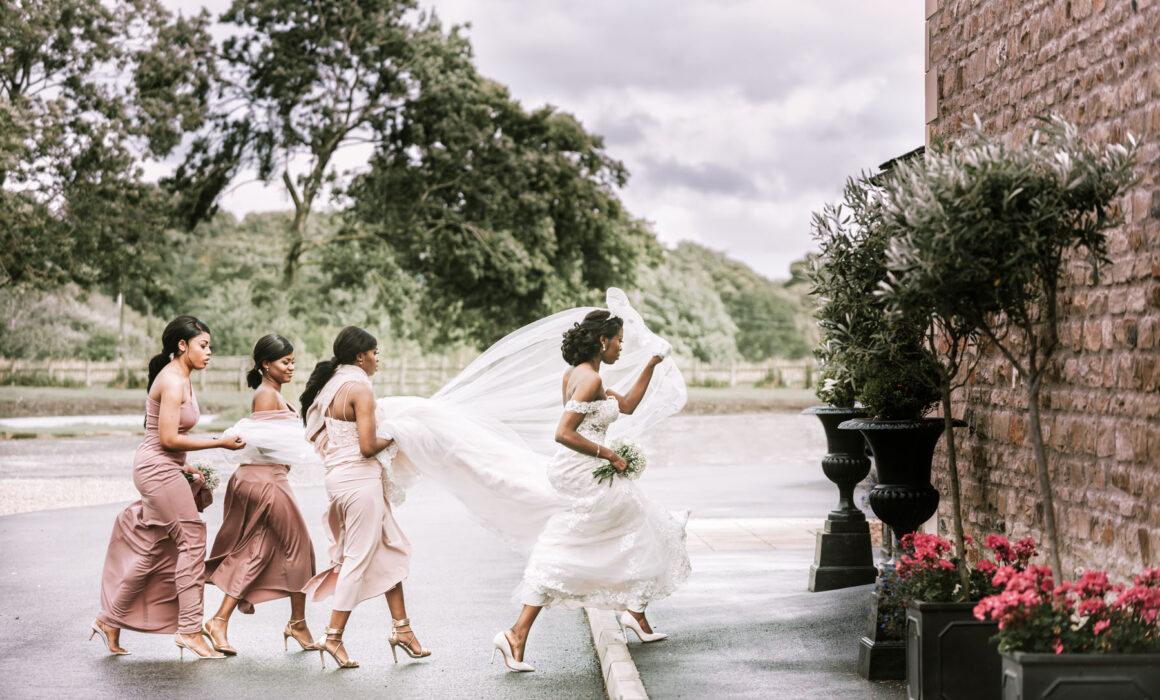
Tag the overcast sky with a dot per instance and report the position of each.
(735, 118)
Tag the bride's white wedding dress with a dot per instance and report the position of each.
(610, 547)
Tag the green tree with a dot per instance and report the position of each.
(296, 82)
(504, 215)
(80, 96)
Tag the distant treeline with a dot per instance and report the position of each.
(712, 308)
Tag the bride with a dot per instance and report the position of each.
(487, 436)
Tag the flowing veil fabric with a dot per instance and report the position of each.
(488, 434)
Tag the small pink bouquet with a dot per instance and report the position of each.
(1081, 617)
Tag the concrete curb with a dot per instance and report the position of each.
(621, 679)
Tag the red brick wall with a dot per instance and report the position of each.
(1096, 62)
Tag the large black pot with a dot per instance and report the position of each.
(843, 556)
(903, 450)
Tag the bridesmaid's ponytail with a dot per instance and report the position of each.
(269, 348)
(181, 328)
(351, 341)
(322, 373)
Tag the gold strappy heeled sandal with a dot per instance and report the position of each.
(223, 647)
(333, 635)
(396, 642)
(289, 634)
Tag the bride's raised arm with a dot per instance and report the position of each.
(631, 400)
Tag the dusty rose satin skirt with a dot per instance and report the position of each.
(152, 580)
(262, 551)
(368, 552)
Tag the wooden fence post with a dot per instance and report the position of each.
(88, 372)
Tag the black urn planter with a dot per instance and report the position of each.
(843, 555)
(903, 498)
(903, 451)
(949, 654)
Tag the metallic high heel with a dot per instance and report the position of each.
(97, 630)
(394, 640)
(182, 646)
(628, 622)
(288, 634)
(503, 646)
(223, 648)
(334, 636)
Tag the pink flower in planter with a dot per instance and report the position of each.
(1100, 626)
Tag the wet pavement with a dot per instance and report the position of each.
(744, 625)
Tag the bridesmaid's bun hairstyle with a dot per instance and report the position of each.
(350, 342)
(181, 328)
(269, 348)
(582, 340)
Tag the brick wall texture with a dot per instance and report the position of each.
(1096, 62)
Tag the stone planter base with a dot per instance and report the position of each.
(842, 556)
(949, 655)
(881, 660)
(1080, 676)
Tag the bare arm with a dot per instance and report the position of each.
(588, 389)
(170, 395)
(631, 400)
(362, 400)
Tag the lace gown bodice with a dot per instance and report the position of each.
(598, 415)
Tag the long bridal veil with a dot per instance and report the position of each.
(488, 434)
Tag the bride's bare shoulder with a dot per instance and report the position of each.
(582, 383)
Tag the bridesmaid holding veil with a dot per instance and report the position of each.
(263, 550)
(152, 579)
(370, 555)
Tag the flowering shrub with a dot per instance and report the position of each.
(929, 574)
(1035, 615)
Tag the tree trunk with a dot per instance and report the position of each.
(1036, 431)
(297, 244)
(956, 499)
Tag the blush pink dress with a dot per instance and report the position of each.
(263, 550)
(369, 554)
(152, 580)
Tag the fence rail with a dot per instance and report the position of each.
(397, 375)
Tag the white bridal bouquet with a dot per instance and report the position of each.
(210, 474)
(631, 453)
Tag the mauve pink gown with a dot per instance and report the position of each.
(152, 581)
(368, 552)
(263, 550)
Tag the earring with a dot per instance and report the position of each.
(603, 347)
(360, 363)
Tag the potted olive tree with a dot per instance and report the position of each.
(984, 231)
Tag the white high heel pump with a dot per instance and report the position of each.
(628, 622)
(503, 646)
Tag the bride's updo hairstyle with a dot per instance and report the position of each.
(181, 328)
(350, 342)
(582, 340)
(269, 348)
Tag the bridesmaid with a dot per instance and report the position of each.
(369, 554)
(152, 580)
(263, 550)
